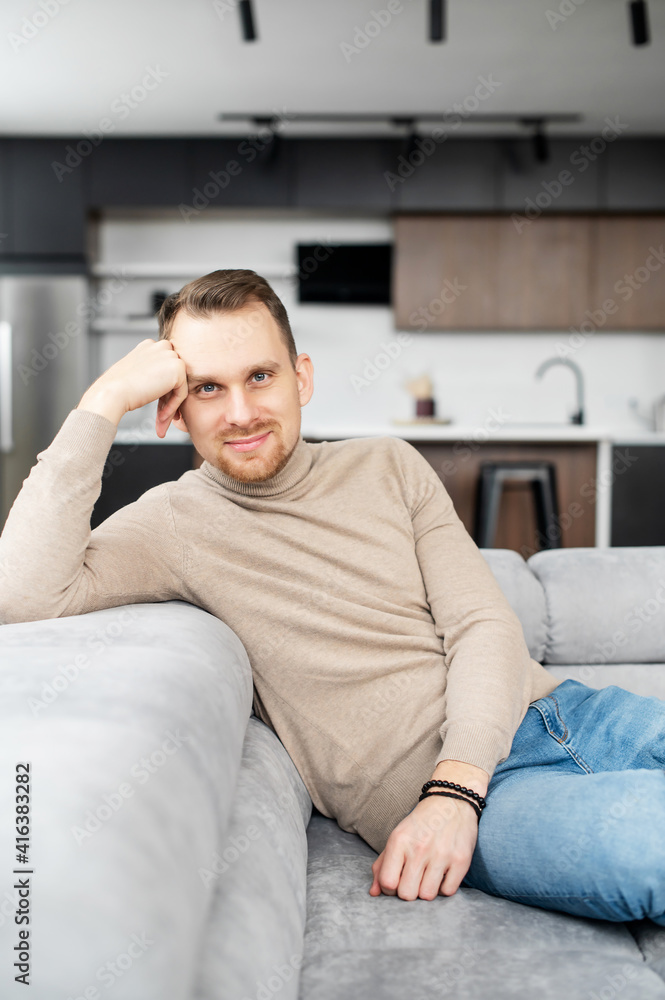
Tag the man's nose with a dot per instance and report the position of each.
(241, 407)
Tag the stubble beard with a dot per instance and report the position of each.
(253, 469)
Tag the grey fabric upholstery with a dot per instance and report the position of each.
(131, 881)
(215, 856)
(258, 879)
(603, 605)
(473, 946)
(469, 945)
(525, 595)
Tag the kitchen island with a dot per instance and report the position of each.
(594, 465)
(611, 482)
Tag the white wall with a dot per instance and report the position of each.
(472, 372)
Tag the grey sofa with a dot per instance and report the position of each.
(175, 853)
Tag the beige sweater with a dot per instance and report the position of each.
(379, 639)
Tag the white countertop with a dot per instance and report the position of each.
(506, 432)
(443, 432)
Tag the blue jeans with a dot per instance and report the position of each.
(575, 816)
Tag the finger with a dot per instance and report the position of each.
(432, 879)
(452, 879)
(375, 888)
(391, 870)
(169, 404)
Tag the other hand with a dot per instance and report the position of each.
(152, 370)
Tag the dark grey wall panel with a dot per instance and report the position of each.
(6, 237)
(241, 172)
(459, 175)
(569, 180)
(47, 208)
(136, 172)
(343, 173)
(636, 175)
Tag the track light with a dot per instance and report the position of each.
(437, 20)
(541, 146)
(247, 20)
(639, 22)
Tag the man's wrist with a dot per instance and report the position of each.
(461, 773)
(103, 402)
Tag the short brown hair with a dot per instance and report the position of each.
(225, 291)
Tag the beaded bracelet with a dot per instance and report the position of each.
(453, 795)
(460, 788)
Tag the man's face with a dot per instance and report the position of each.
(241, 385)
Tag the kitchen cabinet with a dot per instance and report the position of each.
(553, 273)
(635, 175)
(140, 172)
(243, 172)
(569, 181)
(638, 493)
(45, 214)
(457, 463)
(343, 173)
(458, 466)
(628, 272)
(505, 278)
(4, 200)
(458, 175)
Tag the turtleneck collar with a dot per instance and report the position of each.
(297, 467)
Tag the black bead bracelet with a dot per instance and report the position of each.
(459, 788)
(453, 795)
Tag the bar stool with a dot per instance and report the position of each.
(541, 476)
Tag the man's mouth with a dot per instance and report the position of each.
(248, 444)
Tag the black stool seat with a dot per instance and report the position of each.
(541, 476)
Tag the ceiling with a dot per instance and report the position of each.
(66, 66)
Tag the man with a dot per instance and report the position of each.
(383, 652)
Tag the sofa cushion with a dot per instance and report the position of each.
(257, 880)
(469, 945)
(133, 719)
(647, 679)
(603, 605)
(525, 596)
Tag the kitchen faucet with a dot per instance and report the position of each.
(577, 418)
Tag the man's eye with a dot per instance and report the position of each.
(208, 385)
(263, 374)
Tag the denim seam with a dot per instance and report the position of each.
(576, 757)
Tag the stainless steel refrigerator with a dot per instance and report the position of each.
(43, 368)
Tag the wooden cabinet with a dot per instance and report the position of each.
(507, 278)
(457, 463)
(628, 273)
(458, 466)
(493, 272)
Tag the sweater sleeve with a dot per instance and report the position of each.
(488, 679)
(52, 565)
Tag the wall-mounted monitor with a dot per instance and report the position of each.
(351, 273)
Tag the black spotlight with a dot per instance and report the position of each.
(437, 20)
(541, 147)
(639, 22)
(247, 20)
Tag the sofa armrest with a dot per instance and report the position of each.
(133, 720)
(257, 879)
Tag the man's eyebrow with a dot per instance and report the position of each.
(258, 366)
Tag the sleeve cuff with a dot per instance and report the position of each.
(475, 743)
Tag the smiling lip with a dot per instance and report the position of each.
(249, 443)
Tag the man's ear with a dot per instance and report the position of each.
(178, 421)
